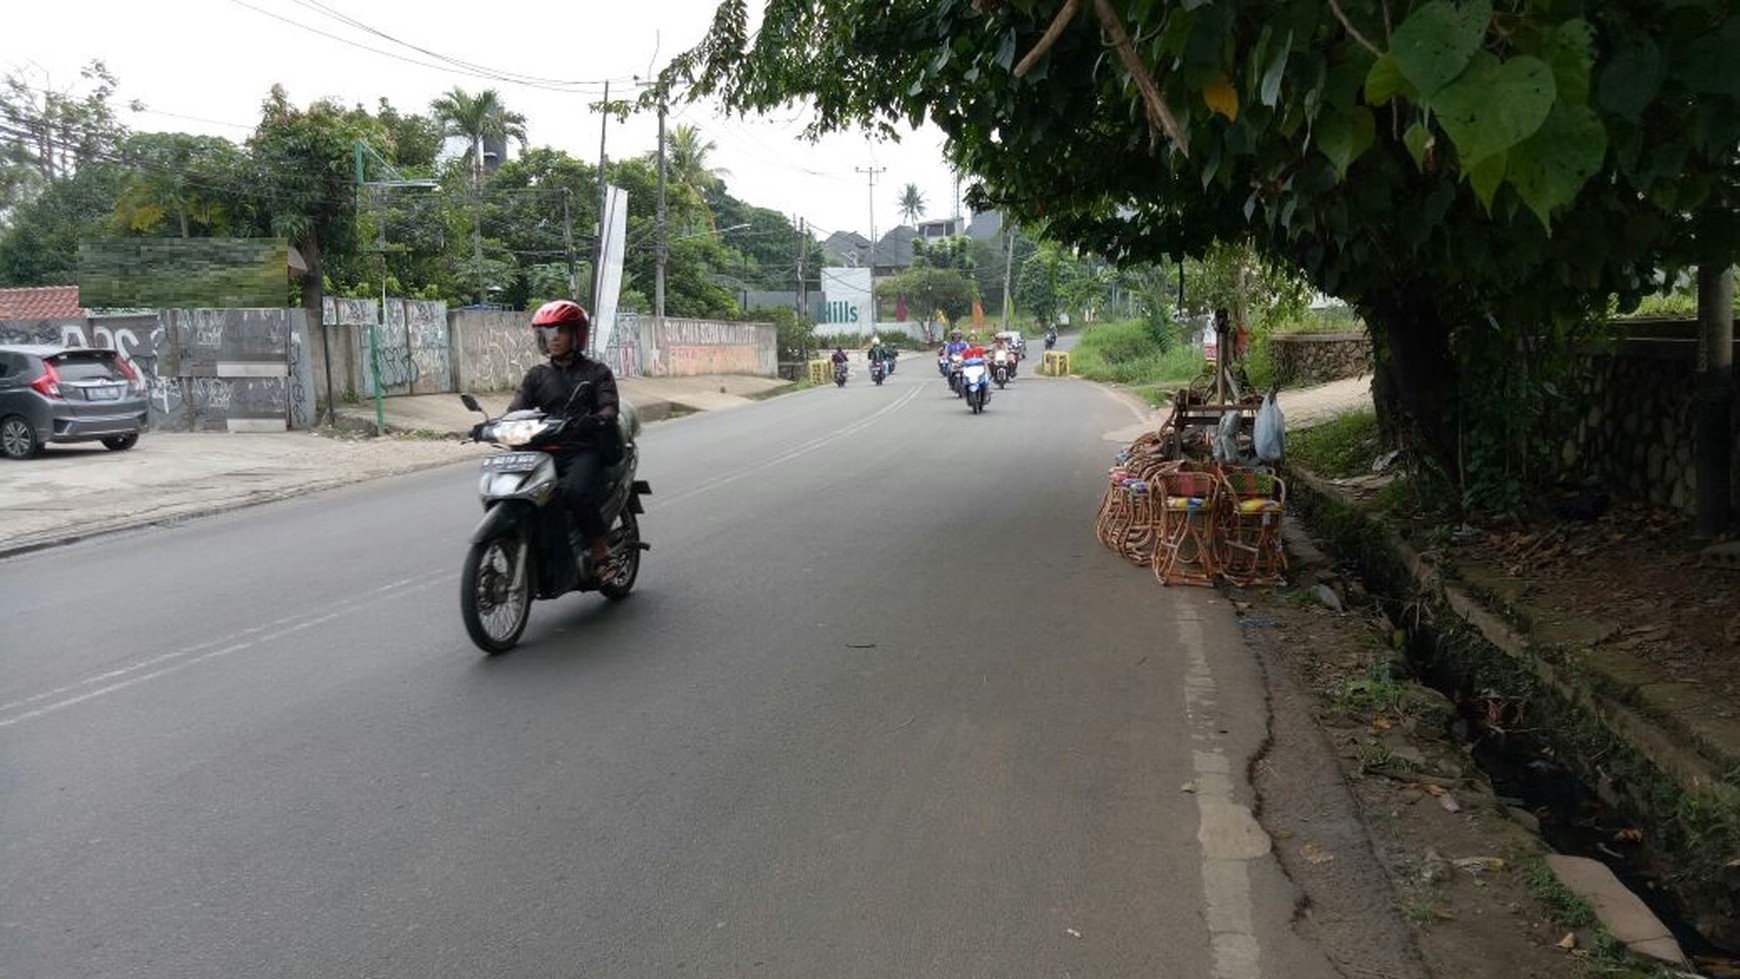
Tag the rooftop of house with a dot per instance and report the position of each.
(40, 303)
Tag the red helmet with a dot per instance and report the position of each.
(561, 313)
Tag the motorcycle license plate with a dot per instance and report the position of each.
(512, 462)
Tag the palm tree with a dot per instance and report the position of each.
(476, 118)
(911, 204)
(686, 159)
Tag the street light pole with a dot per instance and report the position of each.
(871, 172)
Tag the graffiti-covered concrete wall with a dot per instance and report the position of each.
(684, 348)
(492, 350)
(207, 369)
(413, 347)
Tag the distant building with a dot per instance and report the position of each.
(985, 224)
(847, 248)
(944, 228)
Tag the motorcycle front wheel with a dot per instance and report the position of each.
(495, 593)
(625, 559)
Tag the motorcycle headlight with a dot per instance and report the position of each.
(518, 431)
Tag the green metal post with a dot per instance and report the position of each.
(375, 358)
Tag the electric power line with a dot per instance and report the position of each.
(451, 67)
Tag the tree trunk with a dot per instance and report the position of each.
(313, 301)
(1415, 384)
(1715, 399)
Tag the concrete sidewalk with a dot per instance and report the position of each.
(656, 398)
(72, 492)
(1302, 407)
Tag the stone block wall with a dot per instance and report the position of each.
(1636, 438)
(1316, 358)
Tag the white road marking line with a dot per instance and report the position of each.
(1229, 834)
(788, 455)
(234, 642)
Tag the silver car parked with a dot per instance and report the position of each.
(68, 394)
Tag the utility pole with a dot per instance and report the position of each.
(871, 172)
(603, 191)
(568, 241)
(1008, 276)
(800, 266)
(659, 278)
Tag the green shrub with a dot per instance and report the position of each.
(1133, 352)
(1337, 449)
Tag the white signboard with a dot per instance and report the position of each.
(847, 306)
(610, 282)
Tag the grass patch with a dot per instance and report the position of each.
(1130, 352)
(1567, 908)
(1337, 449)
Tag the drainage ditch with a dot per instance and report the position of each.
(1540, 736)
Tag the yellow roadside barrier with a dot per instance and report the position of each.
(819, 372)
(1056, 363)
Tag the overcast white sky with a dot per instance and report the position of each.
(205, 66)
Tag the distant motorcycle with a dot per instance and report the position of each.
(955, 374)
(840, 375)
(527, 547)
(975, 384)
(878, 370)
(1003, 367)
(1050, 339)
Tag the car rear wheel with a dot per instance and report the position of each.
(121, 443)
(17, 439)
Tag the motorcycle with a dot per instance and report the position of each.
(840, 374)
(889, 364)
(527, 546)
(1050, 339)
(955, 375)
(975, 384)
(1002, 367)
(878, 369)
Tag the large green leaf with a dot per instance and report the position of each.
(1271, 92)
(1437, 41)
(1343, 136)
(1418, 139)
(1631, 79)
(1386, 81)
(1571, 52)
(1494, 105)
(1706, 65)
(1486, 177)
(1550, 167)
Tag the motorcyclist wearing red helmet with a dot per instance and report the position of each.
(562, 328)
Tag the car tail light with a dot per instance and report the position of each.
(49, 383)
(134, 382)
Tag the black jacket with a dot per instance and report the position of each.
(548, 386)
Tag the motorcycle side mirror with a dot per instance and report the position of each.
(471, 404)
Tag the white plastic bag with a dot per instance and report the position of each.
(1271, 431)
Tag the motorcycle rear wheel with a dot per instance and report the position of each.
(495, 593)
(625, 554)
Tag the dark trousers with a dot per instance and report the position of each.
(581, 485)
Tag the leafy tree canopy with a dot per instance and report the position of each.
(1438, 164)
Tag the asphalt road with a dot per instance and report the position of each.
(880, 707)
